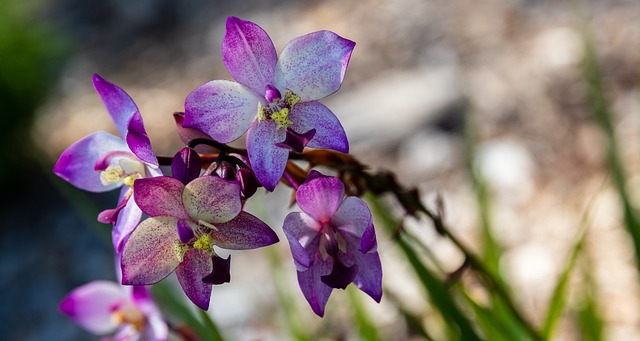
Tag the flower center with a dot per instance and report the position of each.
(126, 170)
(278, 107)
(331, 243)
(131, 316)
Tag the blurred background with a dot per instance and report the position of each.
(484, 103)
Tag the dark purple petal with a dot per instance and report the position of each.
(221, 109)
(138, 141)
(271, 93)
(354, 217)
(150, 254)
(301, 231)
(197, 264)
(329, 132)
(76, 164)
(226, 170)
(188, 134)
(212, 199)
(248, 182)
(295, 141)
(160, 196)
(314, 290)
(313, 65)
(243, 232)
(90, 305)
(119, 105)
(341, 275)
(320, 197)
(248, 54)
(186, 165)
(267, 160)
(221, 271)
(368, 241)
(185, 231)
(127, 221)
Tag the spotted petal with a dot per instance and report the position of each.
(249, 54)
(196, 265)
(212, 199)
(119, 105)
(90, 306)
(320, 197)
(267, 160)
(243, 232)
(313, 66)
(150, 254)
(160, 196)
(221, 109)
(329, 133)
(76, 164)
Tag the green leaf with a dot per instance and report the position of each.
(366, 329)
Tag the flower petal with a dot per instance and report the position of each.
(267, 160)
(149, 255)
(354, 217)
(320, 197)
(220, 273)
(186, 165)
(212, 199)
(301, 230)
(369, 277)
(160, 196)
(249, 54)
(314, 290)
(244, 232)
(138, 140)
(90, 305)
(329, 133)
(76, 164)
(128, 219)
(196, 265)
(313, 65)
(119, 105)
(221, 109)
(188, 134)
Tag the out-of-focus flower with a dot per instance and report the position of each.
(105, 307)
(102, 162)
(275, 99)
(185, 223)
(332, 241)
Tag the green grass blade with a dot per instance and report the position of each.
(213, 328)
(366, 329)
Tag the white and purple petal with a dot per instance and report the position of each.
(249, 54)
(320, 197)
(244, 232)
(301, 231)
(329, 133)
(91, 305)
(150, 254)
(160, 196)
(212, 199)
(77, 163)
(221, 109)
(119, 104)
(267, 160)
(313, 66)
(196, 265)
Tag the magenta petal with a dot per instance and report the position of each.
(76, 164)
(354, 217)
(138, 141)
(196, 266)
(188, 134)
(320, 197)
(221, 109)
(160, 196)
(329, 133)
(314, 290)
(212, 199)
(119, 105)
(90, 305)
(267, 160)
(150, 254)
(186, 165)
(243, 232)
(128, 219)
(313, 65)
(249, 54)
(301, 231)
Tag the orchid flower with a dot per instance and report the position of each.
(102, 162)
(274, 99)
(332, 241)
(105, 307)
(186, 222)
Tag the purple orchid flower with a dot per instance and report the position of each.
(105, 307)
(275, 99)
(332, 241)
(186, 222)
(102, 162)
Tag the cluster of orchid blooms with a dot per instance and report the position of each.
(199, 206)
